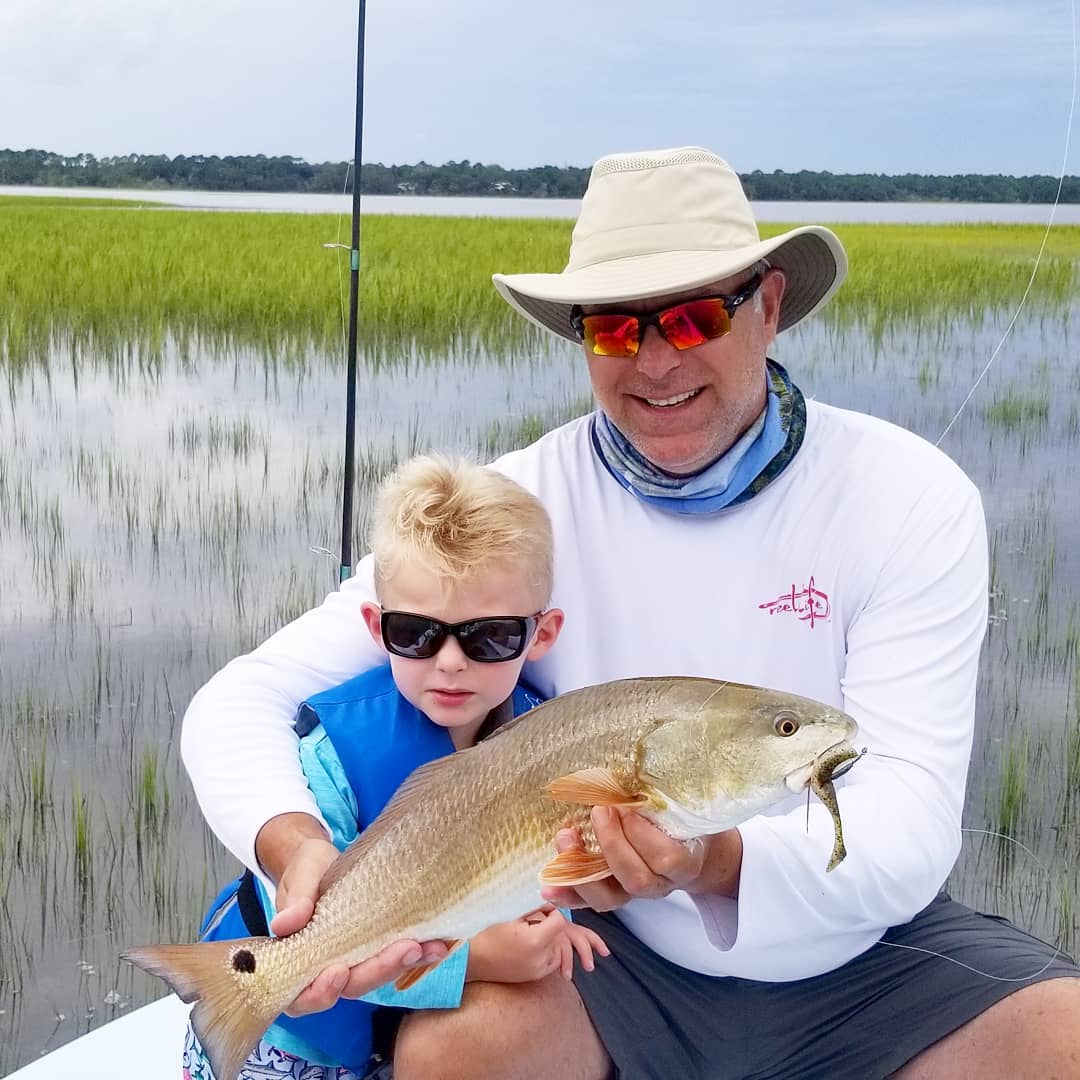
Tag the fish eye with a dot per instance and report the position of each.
(786, 724)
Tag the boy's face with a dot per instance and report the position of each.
(449, 688)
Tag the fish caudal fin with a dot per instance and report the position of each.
(210, 974)
(594, 787)
(575, 867)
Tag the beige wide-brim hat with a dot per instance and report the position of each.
(666, 221)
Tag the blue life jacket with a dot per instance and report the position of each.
(379, 739)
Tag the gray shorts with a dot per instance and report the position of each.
(862, 1021)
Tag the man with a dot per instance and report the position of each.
(709, 521)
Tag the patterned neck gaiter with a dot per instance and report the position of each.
(760, 455)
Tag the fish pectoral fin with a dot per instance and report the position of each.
(593, 787)
(575, 867)
(414, 975)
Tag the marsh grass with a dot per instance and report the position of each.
(1017, 409)
(74, 202)
(119, 285)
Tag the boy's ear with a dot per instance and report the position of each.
(548, 627)
(373, 620)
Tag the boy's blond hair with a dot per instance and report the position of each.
(457, 519)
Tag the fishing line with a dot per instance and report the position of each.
(345, 247)
(960, 963)
(1042, 246)
(952, 960)
(711, 696)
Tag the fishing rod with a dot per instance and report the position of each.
(345, 569)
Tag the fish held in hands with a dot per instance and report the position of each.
(468, 839)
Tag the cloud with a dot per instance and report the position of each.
(62, 42)
(840, 85)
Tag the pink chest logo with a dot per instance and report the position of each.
(807, 604)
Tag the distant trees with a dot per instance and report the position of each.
(262, 173)
(878, 187)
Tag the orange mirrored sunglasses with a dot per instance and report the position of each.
(685, 325)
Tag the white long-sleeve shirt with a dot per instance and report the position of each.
(858, 577)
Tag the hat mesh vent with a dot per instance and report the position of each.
(637, 162)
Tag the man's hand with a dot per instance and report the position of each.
(298, 846)
(340, 981)
(531, 948)
(298, 886)
(647, 863)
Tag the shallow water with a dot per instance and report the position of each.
(156, 519)
(905, 213)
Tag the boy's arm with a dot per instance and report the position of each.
(532, 947)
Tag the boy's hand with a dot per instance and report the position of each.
(531, 948)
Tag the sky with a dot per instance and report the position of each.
(979, 86)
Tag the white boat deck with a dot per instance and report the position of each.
(144, 1045)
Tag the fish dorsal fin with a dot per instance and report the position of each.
(594, 787)
(405, 800)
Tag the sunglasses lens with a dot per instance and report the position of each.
(611, 335)
(413, 636)
(695, 322)
(491, 640)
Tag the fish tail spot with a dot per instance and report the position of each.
(244, 961)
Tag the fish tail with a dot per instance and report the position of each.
(212, 974)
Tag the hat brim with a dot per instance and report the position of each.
(811, 257)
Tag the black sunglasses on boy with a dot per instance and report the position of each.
(487, 641)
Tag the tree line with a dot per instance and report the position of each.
(261, 173)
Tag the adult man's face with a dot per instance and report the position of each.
(725, 379)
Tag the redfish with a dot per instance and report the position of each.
(468, 840)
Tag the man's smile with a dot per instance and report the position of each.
(670, 402)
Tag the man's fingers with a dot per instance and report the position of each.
(298, 889)
(567, 840)
(338, 980)
(386, 966)
(562, 897)
(664, 857)
(631, 845)
(292, 917)
(322, 993)
(431, 952)
(644, 862)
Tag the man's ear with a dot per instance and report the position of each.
(373, 621)
(548, 627)
(772, 292)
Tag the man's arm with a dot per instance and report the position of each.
(238, 742)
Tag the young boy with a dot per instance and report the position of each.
(463, 574)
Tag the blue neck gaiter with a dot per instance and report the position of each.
(759, 456)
